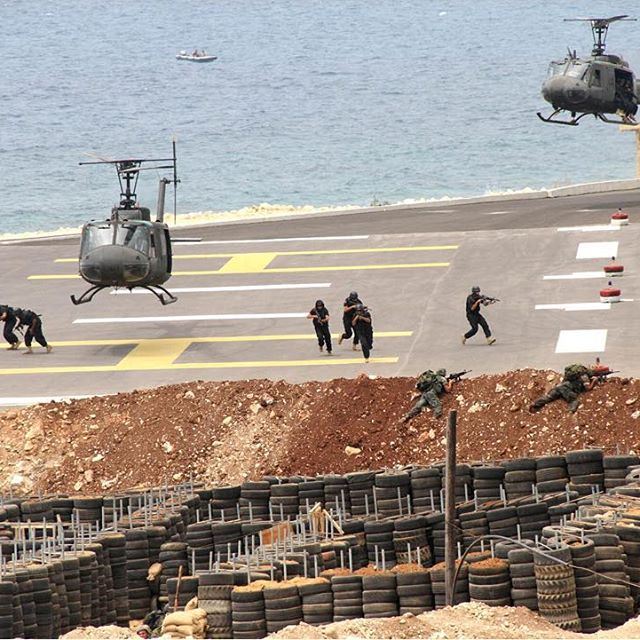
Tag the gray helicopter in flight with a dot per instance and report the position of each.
(601, 85)
(129, 249)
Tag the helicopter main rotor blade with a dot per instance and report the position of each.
(138, 169)
(602, 21)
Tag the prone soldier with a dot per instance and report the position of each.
(577, 379)
(430, 385)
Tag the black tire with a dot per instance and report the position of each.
(379, 582)
(490, 592)
(521, 570)
(582, 456)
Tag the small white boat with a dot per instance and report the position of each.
(195, 57)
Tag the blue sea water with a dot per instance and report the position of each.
(324, 103)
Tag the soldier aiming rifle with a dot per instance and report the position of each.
(577, 379)
(430, 385)
(475, 318)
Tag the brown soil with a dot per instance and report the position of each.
(230, 431)
(469, 621)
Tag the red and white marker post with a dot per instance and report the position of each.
(620, 218)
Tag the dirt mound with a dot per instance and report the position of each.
(470, 621)
(231, 431)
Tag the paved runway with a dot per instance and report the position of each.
(245, 289)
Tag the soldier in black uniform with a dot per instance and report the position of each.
(347, 319)
(363, 329)
(320, 316)
(8, 316)
(474, 316)
(33, 323)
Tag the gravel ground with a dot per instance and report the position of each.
(221, 432)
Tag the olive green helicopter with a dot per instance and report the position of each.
(129, 249)
(600, 85)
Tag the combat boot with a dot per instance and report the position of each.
(573, 405)
(49, 348)
(28, 352)
(491, 340)
(464, 339)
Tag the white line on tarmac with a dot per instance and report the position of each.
(495, 213)
(582, 341)
(590, 250)
(575, 306)
(592, 227)
(577, 275)
(219, 316)
(247, 287)
(263, 240)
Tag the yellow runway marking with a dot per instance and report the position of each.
(237, 270)
(311, 252)
(252, 263)
(153, 355)
(154, 365)
(212, 339)
(247, 263)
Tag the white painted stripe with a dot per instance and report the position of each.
(590, 250)
(263, 240)
(592, 227)
(577, 275)
(28, 400)
(247, 287)
(495, 213)
(582, 341)
(588, 210)
(219, 316)
(576, 306)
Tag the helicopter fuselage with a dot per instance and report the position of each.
(601, 84)
(123, 252)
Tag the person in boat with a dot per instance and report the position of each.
(195, 53)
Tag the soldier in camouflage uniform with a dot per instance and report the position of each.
(576, 380)
(430, 385)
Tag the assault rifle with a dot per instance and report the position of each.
(488, 300)
(602, 373)
(458, 375)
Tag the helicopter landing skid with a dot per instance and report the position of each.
(629, 120)
(572, 123)
(170, 299)
(87, 296)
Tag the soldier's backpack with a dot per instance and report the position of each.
(574, 372)
(426, 381)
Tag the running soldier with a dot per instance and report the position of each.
(320, 316)
(475, 318)
(10, 319)
(349, 310)
(363, 329)
(33, 323)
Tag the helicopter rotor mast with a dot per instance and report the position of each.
(599, 29)
(128, 171)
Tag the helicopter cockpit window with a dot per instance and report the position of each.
(134, 236)
(595, 80)
(556, 68)
(94, 236)
(578, 70)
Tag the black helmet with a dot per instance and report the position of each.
(359, 307)
(353, 295)
(319, 303)
(475, 289)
